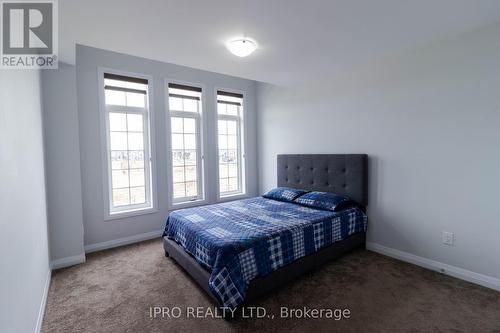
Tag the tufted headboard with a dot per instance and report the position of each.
(345, 174)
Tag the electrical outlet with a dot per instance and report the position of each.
(448, 238)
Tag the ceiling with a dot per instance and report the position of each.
(297, 38)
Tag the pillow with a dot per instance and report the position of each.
(284, 194)
(325, 200)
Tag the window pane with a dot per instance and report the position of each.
(177, 157)
(179, 190)
(177, 141)
(233, 170)
(117, 121)
(119, 178)
(232, 184)
(190, 105)
(191, 189)
(114, 97)
(175, 103)
(223, 185)
(176, 124)
(227, 156)
(135, 141)
(231, 156)
(136, 100)
(121, 197)
(191, 173)
(189, 125)
(222, 127)
(189, 141)
(223, 171)
(178, 174)
(119, 160)
(221, 108)
(190, 156)
(222, 141)
(232, 142)
(232, 110)
(134, 122)
(137, 177)
(118, 140)
(222, 156)
(136, 159)
(137, 195)
(231, 127)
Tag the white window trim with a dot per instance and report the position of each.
(242, 141)
(129, 210)
(202, 198)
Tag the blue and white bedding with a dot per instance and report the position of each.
(240, 240)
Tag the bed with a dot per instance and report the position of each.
(240, 250)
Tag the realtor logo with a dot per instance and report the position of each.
(29, 34)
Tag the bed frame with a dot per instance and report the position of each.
(339, 173)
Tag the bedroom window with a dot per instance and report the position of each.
(128, 143)
(229, 128)
(185, 113)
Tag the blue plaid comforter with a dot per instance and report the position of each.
(240, 240)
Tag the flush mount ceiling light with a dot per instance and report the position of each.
(241, 46)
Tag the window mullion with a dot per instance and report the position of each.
(128, 157)
(126, 109)
(184, 153)
(228, 117)
(184, 114)
(241, 152)
(227, 151)
(146, 156)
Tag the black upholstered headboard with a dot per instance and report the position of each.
(345, 174)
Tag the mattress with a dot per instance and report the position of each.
(240, 240)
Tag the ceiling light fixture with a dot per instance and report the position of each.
(241, 46)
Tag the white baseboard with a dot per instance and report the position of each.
(460, 273)
(68, 261)
(43, 303)
(122, 241)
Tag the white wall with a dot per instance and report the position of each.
(62, 161)
(88, 59)
(430, 122)
(23, 222)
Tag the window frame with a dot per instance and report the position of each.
(150, 206)
(200, 156)
(241, 139)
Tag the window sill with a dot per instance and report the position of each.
(187, 204)
(130, 213)
(232, 197)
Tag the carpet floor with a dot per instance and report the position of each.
(115, 290)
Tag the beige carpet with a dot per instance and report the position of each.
(114, 290)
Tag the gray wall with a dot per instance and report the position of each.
(87, 61)
(430, 122)
(23, 222)
(62, 161)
